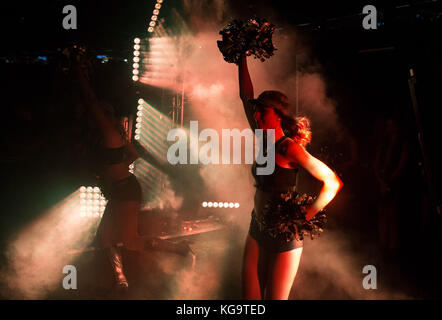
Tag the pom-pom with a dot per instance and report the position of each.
(287, 218)
(252, 37)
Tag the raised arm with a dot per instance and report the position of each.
(112, 138)
(331, 182)
(246, 91)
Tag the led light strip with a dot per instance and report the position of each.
(220, 204)
(154, 18)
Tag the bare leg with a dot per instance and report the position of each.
(127, 224)
(106, 235)
(250, 279)
(282, 271)
(263, 269)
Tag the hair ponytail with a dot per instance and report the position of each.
(297, 129)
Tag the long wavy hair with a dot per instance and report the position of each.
(296, 128)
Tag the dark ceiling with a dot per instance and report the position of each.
(112, 24)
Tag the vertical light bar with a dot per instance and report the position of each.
(136, 59)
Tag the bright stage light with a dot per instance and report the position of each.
(137, 47)
(136, 65)
(154, 18)
(137, 131)
(139, 113)
(138, 125)
(139, 120)
(152, 23)
(150, 29)
(220, 204)
(136, 59)
(140, 101)
(159, 1)
(137, 137)
(140, 108)
(137, 40)
(156, 12)
(135, 78)
(95, 199)
(136, 53)
(135, 71)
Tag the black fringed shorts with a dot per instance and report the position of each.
(270, 243)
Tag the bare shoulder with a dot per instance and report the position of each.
(295, 153)
(289, 145)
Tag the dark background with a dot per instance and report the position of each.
(365, 84)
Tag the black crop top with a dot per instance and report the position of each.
(282, 179)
